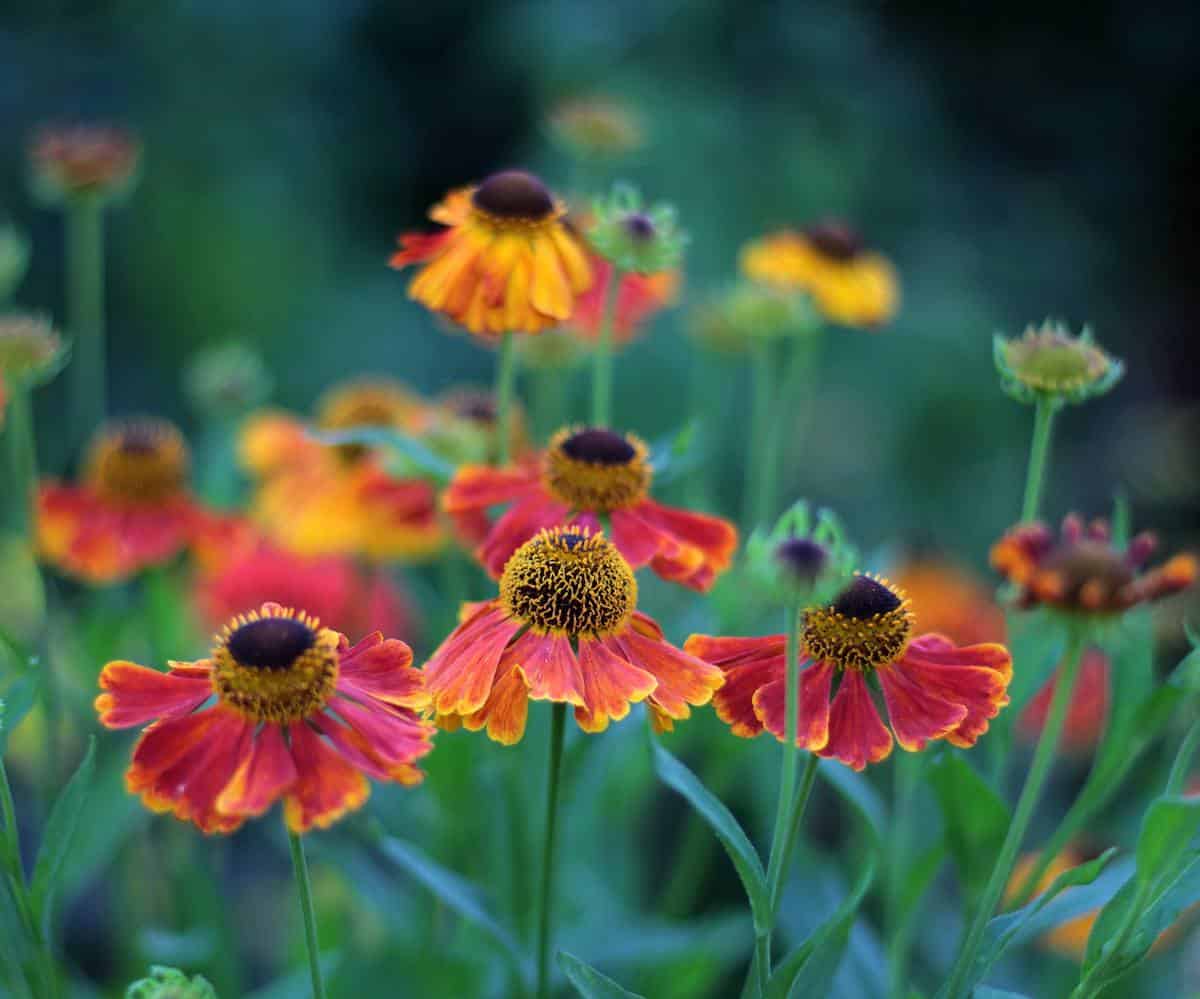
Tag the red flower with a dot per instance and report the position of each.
(564, 628)
(300, 715)
(583, 474)
(639, 297)
(932, 689)
(1087, 713)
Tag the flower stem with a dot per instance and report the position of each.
(85, 315)
(762, 390)
(1039, 451)
(558, 719)
(21, 458)
(602, 362)
(1039, 770)
(304, 887)
(506, 380)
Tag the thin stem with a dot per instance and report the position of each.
(790, 405)
(1183, 760)
(21, 458)
(907, 776)
(85, 315)
(1039, 770)
(506, 380)
(762, 380)
(304, 887)
(12, 834)
(558, 719)
(788, 766)
(808, 778)
(1039, 451)
(761, 967)
(602, 362)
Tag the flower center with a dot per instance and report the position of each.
(640, 227)
(138, 464)
(275, 665)
(568, 581)
(802, 558)
(595, 469)
(835, 240)
(1054, 362)
(1086, 561)
(514, 195)
(866, 627)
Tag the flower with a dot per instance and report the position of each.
(594, 128)
(566, 628)
(226, 381)
(950, 599)
(31, 351)
(170, 983)
(747, 314)
(932, 688)
(330, 587)
(83, 160)
(586, 473)
(1046, 363)
(462, 427)
(848, 283)
(803, 558)
(299, 715)
(639, 297)
(1081, 571)
(506, 261)
(131, 511)
(635, 238)
(1086, 714)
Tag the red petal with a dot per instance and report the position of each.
(917, 713)
(683, 679)
(506, 709)
(460, 673)
(611, 684)
(393, 736)
(327, 786)
(856, 734)
(263, 776)
(549, 667)
(981, 690)
(382, 669)
(135, 694)
(518, 524)
(477, 487)
(735, 650)
(939, 649)
(1088, 711)
(812, 730)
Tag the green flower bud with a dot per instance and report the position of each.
(170, 983)
(804, 558)
(1047, 364)
(635, 238)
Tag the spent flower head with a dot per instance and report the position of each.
(170, 983)
(1047, 364)
(14, 259)
(633, 236)
(596, 128)
(73, 161)
(805, 557)
(746, 313)
(31, 350)
(227, 380)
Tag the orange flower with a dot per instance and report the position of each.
(586, 473)
(300, 715)
(950, 599)
(132, 511)
(1087, 713)
(639, 297)
(848, 283)
(506, 261)
(932, 689)
(565, 627)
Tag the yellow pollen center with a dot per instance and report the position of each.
(567, 581)
(275, 665)
(138, 464)
(590, 468)
(867, 626)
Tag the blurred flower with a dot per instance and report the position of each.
(635, 238)
(746, 314)
(949, 599)
(848, 283)
(932, 688)
(639, 297)
(803, 558)
(170, 983)
(83, 160)
(595, 128)
(1081, 571)
(31, 351)
(331, 588)
(1047, 363)
(565, 627)
(14, 259)
(299, 715)
(586, 473)
(227, 380)
(506, 261)
(1087, 713)
(463, 429)
(131, 511)
(370, 402)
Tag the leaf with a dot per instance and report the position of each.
(457, 893)
(1163, 844)
(423, 461)
(809, 969)
(18, 701)
(859, 792)
(975, 820)
(1037, 642)
(737, 844)
(588, 982)
(59, 836)
(984, 992)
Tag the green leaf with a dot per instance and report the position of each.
(1164, 843)
(737, 844)
(588, 982)
(975, 820)
(17, 702)
(809, 969)
(1037, 642)
(59, 836)
(984, 992)
(418, 458)
(859, 792)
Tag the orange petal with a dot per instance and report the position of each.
(135, 694)
(263, 776)
(327, 786)
(611, 684)
(549, 667)
(460, 673)
(506, 709)
(812, 730)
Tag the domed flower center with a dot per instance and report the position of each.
(867, 626)
(640, 227)
(1087, 561)
(835, 240)
(275, 665)
(514, 195)
(567, 581)
(801, 558)
(596, 469)
(1052, 361)
(138, 464)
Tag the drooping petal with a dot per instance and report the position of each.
(550, 292)
(477, 487)
(517, 525)
(327, 785)
(713, 537)
(394, 736)
(936, 648)
(382, 669)
(770, 707)
(730, 651)
(683, 679)
(505, 711)
(134, 695)
(549, 666)
(611, 684)
(460, 673)
(918, 714)
(261, 779)
(857, 736)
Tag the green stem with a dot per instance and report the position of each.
(21, 458)
(85, 315)
(12, 835)
(1183, 760)
(761, 965)
(304, 887)
(506, 380)
(1086, 989)
(602, 362)
(808, 778)
(907, 777)
(550, 399)
(1039, 770)
(558, 719)
(762, 381)
(1039, 451)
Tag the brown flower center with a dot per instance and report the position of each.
(835, 240)
(514, 194)
(596, 469)
(867, 626)
(138, 464)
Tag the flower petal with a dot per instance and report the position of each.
(611, 684)
(975, 676)
(857, 736)
(460, 672)
(395, 736)
(327, 786)
(683, 679)
(505, 711)
(918, 714)
(549, 667)
(265, 774)
(770, 707)
(136, 694)
(518, 524)
(382, 669)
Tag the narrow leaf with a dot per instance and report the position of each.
(18, 701)
(422, 460)
(59, 835)
(1163, 843)
(975, 819)
(588, 982)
